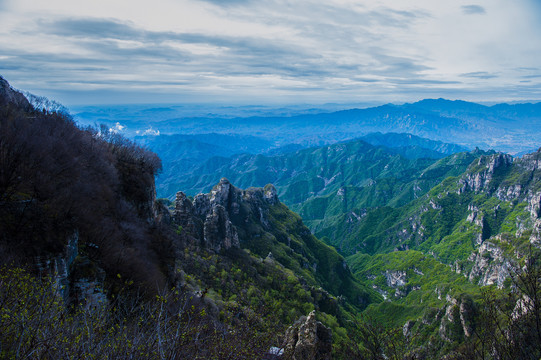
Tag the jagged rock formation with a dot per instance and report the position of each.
(209, 216)
(489, 166)
(59, 266)
(308, 339)
(206, 218)
(489, 265)
(456, 319)
(397, 280)
(218, 230)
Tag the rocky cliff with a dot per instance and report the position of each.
(208, 216)
(308, 339)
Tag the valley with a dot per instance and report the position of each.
(396, 243)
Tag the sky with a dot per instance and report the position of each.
(272, 51)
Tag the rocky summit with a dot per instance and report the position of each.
(208, 216)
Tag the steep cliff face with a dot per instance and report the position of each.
(481, 173)
(515, 213)
(456, 319)
(490, 267)
(214, 218)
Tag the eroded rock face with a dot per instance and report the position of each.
(396, 278)
(480, 181)
(531, 161)
(218, 231)
(183, 208)
(489, 265)
(534, 205)
(211, 218)
(308, 339)
(184, 215)
(201, 204)
(457, 319)
(74, 282)
(59, 266)
(270, 194)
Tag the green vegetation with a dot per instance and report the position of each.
(426, 284)
(442, 255)
(35, 323)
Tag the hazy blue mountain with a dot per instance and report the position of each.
(400, 140)
(203, 146)
(503, 127)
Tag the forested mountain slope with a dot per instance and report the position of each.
(83, 240)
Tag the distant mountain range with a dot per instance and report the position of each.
(503, 127)
(301, 174)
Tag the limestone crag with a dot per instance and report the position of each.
(534, 204)
(535, 237)
(531, 161)
(59, 266)
(73, 281)
(396, 278)
(270, 194)
(489, 265)
(456, 319)
(201, 205)
(308, 339)
(213, 218)
(163, 215)
(218, 230)
(148, 208)
(184, 214)
(226, 195)
(487, 166)
(510, 192)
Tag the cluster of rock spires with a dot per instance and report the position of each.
(211, 217)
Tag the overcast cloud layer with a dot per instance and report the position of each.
(247, 51)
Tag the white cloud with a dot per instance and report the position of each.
(117, 128)
(150, 131)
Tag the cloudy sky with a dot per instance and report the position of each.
(272, 51)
